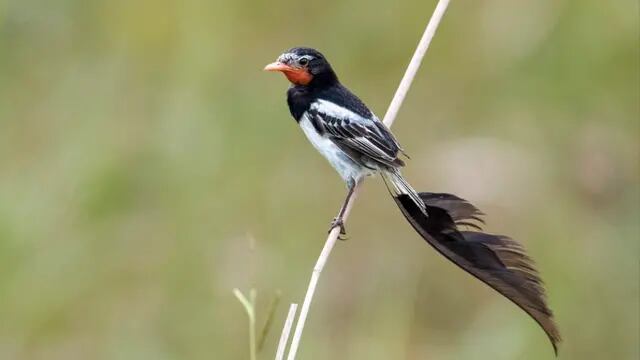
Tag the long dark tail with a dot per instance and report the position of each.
(497, 260)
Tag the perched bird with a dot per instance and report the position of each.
(357, 144)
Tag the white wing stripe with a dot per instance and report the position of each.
(336, 111)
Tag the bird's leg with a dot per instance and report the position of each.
(338, 221)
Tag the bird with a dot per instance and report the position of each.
(358, 145)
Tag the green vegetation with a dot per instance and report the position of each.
(140, 143)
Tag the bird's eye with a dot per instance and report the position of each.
(303, 61)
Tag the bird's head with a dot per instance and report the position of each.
(304, 66)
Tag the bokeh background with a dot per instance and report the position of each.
(148, 167)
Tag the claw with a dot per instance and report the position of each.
(338, 222)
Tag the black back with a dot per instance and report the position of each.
(300, 98)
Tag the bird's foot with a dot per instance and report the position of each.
(338, 222)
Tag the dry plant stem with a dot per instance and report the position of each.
(414, 65)
(284, 337)
(390, 116)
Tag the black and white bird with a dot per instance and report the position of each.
(357, 144)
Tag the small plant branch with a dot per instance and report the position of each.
(249, 308)
(389, 118)
(273, 306)
(284, 337)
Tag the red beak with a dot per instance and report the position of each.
(299, 76)
(278, 66)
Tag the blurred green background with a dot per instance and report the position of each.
(148, 166)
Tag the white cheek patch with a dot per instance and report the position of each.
(287, 58)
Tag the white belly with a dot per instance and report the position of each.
(347, 168)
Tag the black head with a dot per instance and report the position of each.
(304, 67)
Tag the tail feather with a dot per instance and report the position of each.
(498, 261)
(400, 186)
(460, 210)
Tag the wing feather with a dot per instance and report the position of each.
(366, 139)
